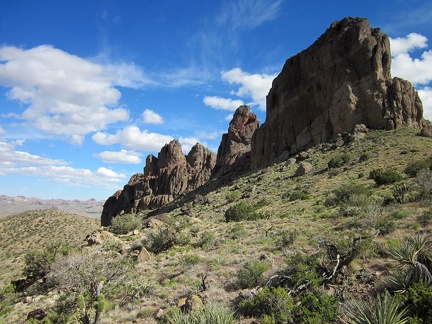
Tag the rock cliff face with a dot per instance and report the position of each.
(234, 149)
(166, 177)
(340, 81)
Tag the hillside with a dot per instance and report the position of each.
(35, 230)
(288, 222)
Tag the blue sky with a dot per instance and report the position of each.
(89, 88)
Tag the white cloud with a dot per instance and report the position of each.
(150, 117)
(416, 70)
(67, 95)
(254, 86)
(407, 44)
(123, 156)
(132, 137)
(1, 130)
(13, 161)
(426, 97)
(9, 156)
(222, 103)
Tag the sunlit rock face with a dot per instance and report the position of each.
(342, 80)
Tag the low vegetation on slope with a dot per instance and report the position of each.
(36, 230)
(340, 233)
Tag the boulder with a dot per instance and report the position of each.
(340, 81)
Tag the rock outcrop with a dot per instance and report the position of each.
(342, 80)
(234, 149)
(165, 177)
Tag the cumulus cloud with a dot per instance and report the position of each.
(222, 103)
(426, 97)
(66, 95)
(123, 156)
(417, 70)
(407, 44)
(150, 117)
(254, 86)
(133, 138)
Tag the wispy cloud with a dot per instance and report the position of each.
(245, 14)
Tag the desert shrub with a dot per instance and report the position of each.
(426, 218)
(347, 192)
(207, 240)
(286, 238)
(386, 225)
(272, 303)
(364, 157)
(418, 302)
(317, 307)
(401, 213)
(162, 240)
(86, 281)
(124, 224)
(298, 195)
(241, 211)
(232, 196)
(236, 232)
(38, 262)
(338, 161)
(385, 177)
(415, 167)
(251, 274)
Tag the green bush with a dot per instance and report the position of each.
(415, 167)
(241, 211)
(385, 177)
(251, 275)
(338, 161)
(347, 192)
(232, 196)
(272, 303)
(162, 240)
(386, 225)
(207, 240)
(124, 224)
(418, 302)
(298, 195)
(426, 218)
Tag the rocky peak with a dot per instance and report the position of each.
(235, 145)
(340, 81)
(165, 178)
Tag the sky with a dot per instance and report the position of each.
(89, 88)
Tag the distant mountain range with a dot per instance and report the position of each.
(11, 205)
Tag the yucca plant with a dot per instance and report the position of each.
(386, 310)
(415, 260)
